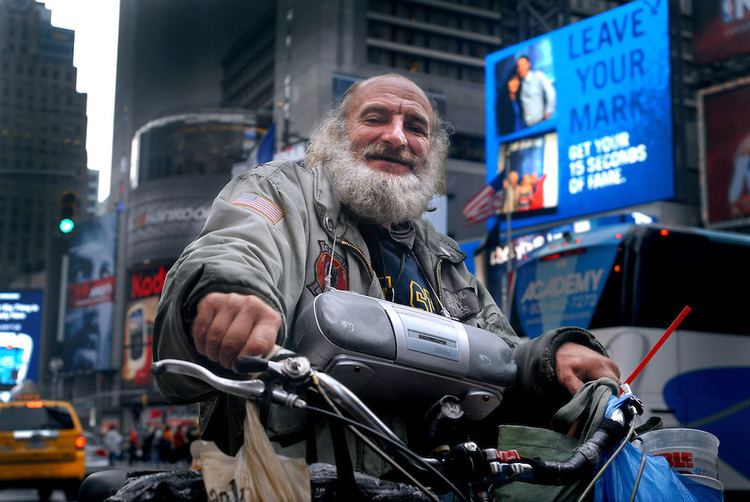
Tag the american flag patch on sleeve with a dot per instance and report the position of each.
(261, 205)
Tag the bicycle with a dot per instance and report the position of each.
(455, 371)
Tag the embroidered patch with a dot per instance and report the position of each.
(261, 205)
(462, 303)
(420, 298)
(339, 272)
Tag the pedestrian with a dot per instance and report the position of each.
(133, 447)
(180, 444)
(113, 443)
(156, 444)
(146, 445)
(167, 445)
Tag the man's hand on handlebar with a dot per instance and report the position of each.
(576, 364)
(229, 325)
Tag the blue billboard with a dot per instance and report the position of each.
(20, 335)
(579, 121)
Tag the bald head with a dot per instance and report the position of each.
(389, 84)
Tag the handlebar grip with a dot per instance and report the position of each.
(258, 364)
(250, 364)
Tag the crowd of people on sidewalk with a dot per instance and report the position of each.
(160, 444)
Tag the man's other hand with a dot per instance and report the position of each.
(229, 325)
(576, 365)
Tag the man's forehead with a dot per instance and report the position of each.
(391, 90)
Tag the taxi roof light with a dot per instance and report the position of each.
(35, 404)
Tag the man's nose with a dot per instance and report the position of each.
(394, 133)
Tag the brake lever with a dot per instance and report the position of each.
(248, 389)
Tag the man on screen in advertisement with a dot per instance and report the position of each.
(538, 96)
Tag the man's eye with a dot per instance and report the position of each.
(373, 119)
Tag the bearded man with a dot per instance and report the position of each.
(354, 209)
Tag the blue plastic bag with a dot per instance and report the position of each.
(658, 482)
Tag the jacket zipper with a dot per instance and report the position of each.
(437, 282)
(439, 292)
(361, 256)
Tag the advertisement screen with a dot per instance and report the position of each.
(725, 153)
(90, 295)
(562, 292)
(530, 167)
(143, 299)
(20, 333)
(598, 91)
(721, 29)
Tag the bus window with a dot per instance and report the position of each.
(681, 269)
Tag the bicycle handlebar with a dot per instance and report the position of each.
(249, 389)
(466, 461)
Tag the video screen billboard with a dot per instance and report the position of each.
(721, 29)
(20, 335)
(143, 299)
(90, 295)
(725, 153)
(592, 104)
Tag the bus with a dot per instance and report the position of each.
(627, 283)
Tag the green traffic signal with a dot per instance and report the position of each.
(66, 225)
(68, 206)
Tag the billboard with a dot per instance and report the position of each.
(143, 298)
(725, 153)
(20, 335)
(90, 295)
(579, 120)
(721, 29)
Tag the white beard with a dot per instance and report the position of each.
(376, 195)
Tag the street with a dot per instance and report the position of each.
(28, 495)
(59, 495)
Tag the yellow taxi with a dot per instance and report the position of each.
(42, 446)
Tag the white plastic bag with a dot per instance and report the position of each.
(256, 473)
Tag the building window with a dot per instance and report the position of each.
(465, 147)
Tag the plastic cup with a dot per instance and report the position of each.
(688, 451)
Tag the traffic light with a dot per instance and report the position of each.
(68, 206)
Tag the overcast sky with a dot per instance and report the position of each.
(95, 23)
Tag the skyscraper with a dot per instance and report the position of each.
(42, 134)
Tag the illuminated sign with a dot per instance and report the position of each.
(721, 29)
(90, 295)
(562, 292)
(725, 153)
(147, 283)
(586, 110)
(145, 288)
(20, 332)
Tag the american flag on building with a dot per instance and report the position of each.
(486, 202)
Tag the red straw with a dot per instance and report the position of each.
(658, 344)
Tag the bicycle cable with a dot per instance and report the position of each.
(641, 468)
(608, 462)
(369, 443)
(415, 458)
(404, 449)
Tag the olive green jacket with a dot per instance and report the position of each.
(271, 233)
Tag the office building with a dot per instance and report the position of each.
(42, 135)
